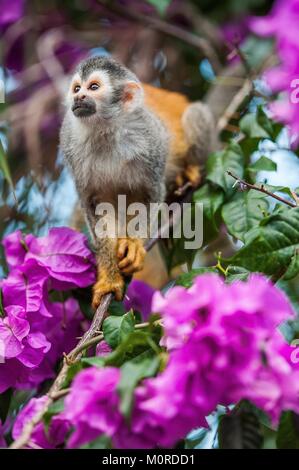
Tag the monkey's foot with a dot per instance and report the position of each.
(106, 285)
(131, 253)
(192, 173)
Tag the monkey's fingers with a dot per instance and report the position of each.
(192, 173)
(122, 247)
(134, 259)
(136, 266)
(105, 286)
(130, 255)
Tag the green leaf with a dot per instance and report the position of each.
(293, 268)
(54, 409)
(236, 273)
(277, 189)
(219, 163)
(73, 370)
(272, 128)
(249, 145)
(5, 399)
(243, 212)
(132, 372)
(196, 438)
(116, 308)
(134, 344)
(263, 164)
(160, 5)
(5, 169)
(94, 361)
(270, 247)
(102, 442)
(186, 279)
(288, 431)
(2, 313)
(259, 126)
(212, 199)
(240, 430)
(117, 328)
(251, 128)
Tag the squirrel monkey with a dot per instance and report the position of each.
(122, 137)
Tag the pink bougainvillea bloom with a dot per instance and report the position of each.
(13, 329)
(62, 329)
(26, 286)
(139, 297)
(92, 405)
(103, 349)
(229, 350)
(282, 24)
(53, 438)
(34, 332)
(11, 11)
(66, 256)
(14, 248)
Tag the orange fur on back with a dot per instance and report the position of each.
(169, 106)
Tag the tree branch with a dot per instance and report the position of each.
(261, 189)
(166, 28)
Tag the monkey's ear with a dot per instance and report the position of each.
(132, 95)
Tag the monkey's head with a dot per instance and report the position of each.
(102, 88)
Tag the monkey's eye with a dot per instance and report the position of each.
(76, 88)
(94, 86)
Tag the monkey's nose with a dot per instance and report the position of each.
(81, 97)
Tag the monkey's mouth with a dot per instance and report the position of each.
(83, 109)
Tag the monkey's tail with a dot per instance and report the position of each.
(200, 132)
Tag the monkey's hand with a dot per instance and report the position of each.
(131, 254)
(192, 174)
(106, 284)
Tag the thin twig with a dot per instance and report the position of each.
(260, 189)
(174, 31)
(61, 393)
(234, 105)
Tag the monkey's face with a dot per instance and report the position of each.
(86, 95)
(100, 95)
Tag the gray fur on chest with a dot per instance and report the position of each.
(130, 155)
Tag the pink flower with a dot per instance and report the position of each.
(282, 23)
(139, 297)
(65, 255)
(57, 431)
(13, 329)
(92, 405)
(26, 286)
(34, 333)
(103, 349)
(14, 248)
(224, 347)
(11, 11)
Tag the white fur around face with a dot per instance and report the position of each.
(100, 77)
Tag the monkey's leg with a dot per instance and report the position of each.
(109, 278)
(131, 254)
(200, 133)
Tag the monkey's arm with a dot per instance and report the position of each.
(116, 258)
(109, 278)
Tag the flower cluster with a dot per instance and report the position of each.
(34, 332)
(223, 346)
(282, 23)
(56, 433)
